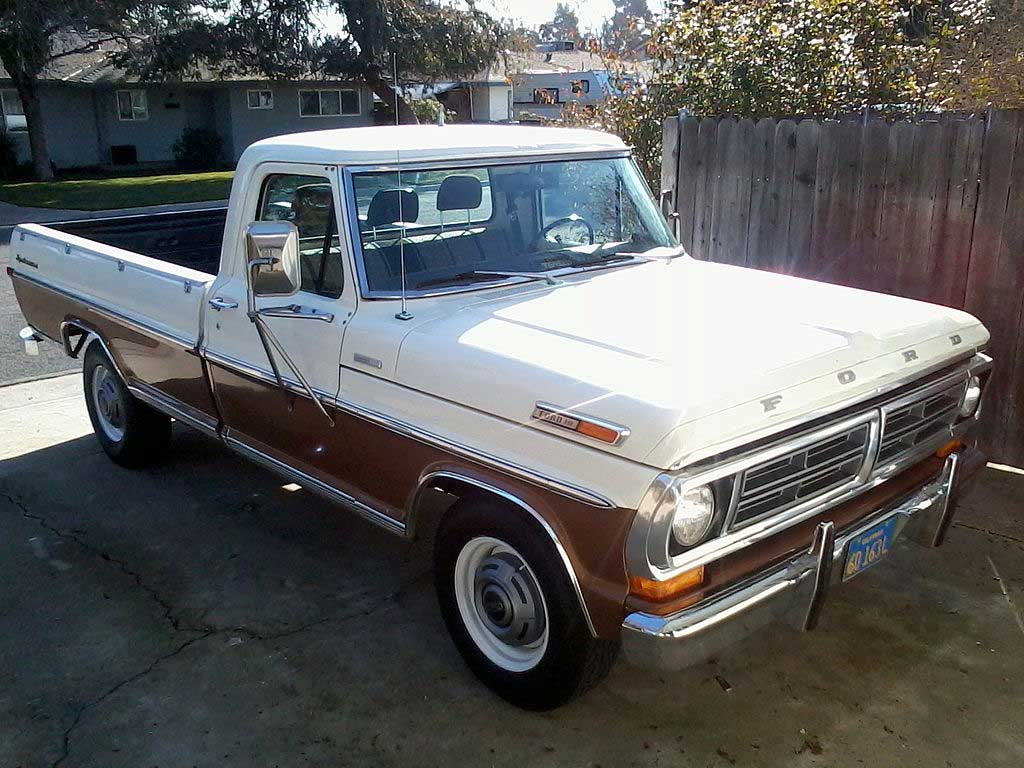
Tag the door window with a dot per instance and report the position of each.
(308, 203)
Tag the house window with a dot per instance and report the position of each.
(12, 112)
(131, 105)
(326, 103)
(261, 99)
(545, 96)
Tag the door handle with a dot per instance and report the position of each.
(219, 303)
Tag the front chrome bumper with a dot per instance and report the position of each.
(793, 591)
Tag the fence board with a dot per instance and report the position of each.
(874, 151)
(928, 208)
(762, 202)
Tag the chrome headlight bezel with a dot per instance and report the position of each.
(970, 403)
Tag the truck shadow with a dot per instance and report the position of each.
(283, 612)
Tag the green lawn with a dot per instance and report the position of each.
(125, 192)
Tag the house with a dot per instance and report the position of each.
(95, 114)
(556, 74)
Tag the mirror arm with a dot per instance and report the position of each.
(296, 312)
(270, 340)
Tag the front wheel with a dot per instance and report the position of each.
(130, 432)
(511, 609)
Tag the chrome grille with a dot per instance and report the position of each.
(814, 469)
(909, 427)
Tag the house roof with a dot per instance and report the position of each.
(386, 145)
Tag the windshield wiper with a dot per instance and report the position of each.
(480, 275)
(658, 253)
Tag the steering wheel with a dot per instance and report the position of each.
(571, 219)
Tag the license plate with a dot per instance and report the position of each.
(866, 549)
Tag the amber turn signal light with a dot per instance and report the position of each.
(598, 432)
(951, 447)
(658, 591)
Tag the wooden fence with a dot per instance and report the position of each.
(930, 208)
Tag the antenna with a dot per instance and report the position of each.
(404, 314)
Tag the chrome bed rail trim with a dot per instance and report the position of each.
(114, 316)
(422, 435)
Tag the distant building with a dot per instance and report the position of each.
(545, 80)
(95, 114)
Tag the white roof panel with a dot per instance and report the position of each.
(424, 143)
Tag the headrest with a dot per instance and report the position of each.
(389, 206)
(459, 193)
(317, 196)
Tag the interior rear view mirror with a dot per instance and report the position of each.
(272, 251)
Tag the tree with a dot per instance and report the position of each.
(34, 34)
(628, 29)
(285, 38)
(564, 26)
(754, 58)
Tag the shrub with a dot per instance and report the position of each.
(198, 149)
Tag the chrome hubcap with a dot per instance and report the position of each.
(501, 603)
(109, 406)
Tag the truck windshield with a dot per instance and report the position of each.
(456, 225)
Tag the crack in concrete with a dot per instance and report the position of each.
(168, 610)
(997, 534)
(201, 633)
(384, 602)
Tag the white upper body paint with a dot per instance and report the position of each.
(693, 358)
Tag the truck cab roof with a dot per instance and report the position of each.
(380, 145)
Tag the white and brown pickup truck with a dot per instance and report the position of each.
(640, 449)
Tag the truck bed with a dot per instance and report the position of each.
(187, 238)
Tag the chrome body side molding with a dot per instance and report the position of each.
(174, 408)
(311, 483)
(432, 479)
(115, 317)
(422, 435)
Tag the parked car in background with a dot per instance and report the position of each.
(638, 448)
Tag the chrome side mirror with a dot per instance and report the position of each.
(272, 256)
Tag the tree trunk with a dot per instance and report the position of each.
(41, 167)
(386, 93)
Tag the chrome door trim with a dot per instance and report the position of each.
(427, 480)
(561, 487)
(115, 316)
(311, 483)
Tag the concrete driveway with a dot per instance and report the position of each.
(200, 614)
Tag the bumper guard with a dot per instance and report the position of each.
(793, 591)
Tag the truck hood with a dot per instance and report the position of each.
(692, 357)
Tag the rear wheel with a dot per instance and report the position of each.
(129, 431)
(511, 609)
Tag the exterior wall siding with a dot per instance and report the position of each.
(249, 125)
(172, 109)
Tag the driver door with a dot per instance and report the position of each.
(259, 417)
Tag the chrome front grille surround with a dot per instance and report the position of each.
(778, 483)
(878, 443)
(805, 473)
(906, 426)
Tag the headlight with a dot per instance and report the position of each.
(971, 398)
(693, 515)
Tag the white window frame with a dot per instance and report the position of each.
(319, 99)
(251, 91)
(133, 118)
(3, 112)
